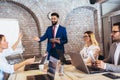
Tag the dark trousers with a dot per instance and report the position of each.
(53, 52)
(58, 54)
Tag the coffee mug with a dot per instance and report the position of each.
(41, 67)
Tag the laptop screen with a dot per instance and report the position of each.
(53, 62)
(78, 62)
(35, 66)
(52, 66)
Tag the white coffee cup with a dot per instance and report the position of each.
(41, 67)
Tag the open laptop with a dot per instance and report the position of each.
(35, 66)
(52, 66)
(78, 62)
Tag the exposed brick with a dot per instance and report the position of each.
(76, 15)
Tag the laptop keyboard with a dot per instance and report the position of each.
(44, 77)
(32, 67)
(93, 69)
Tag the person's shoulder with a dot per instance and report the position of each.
(92, 45)
(63, 27)
(49, 27)
(95, 46)
(113, 44)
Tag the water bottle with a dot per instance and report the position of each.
(61, 70)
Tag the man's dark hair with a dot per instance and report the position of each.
(117, 24)
(1, 36)
(55, 14)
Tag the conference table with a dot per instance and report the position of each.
(70, 73)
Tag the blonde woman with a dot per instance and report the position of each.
(91, 49)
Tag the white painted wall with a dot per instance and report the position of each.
(10, 28)
(109, 7)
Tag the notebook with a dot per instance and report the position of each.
(78, 62)
(35, 66)
(52, 66)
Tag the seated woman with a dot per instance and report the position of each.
(10, 50)
(4, 66)
(91, 49)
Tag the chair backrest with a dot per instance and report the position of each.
(10, 28)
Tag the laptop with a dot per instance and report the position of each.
(35, 66)
(78, 62)
(52, 66)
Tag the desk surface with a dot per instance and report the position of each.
(70, 73)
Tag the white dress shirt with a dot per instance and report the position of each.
(56, 28)
(4, 66)
(116, 55)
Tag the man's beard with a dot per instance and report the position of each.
(54, 23)
(115, 40)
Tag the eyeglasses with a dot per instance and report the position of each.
(85, 36)
(113, 32)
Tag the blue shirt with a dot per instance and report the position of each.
(4, 66)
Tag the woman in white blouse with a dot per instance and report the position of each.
(4, 66)
(91, 49)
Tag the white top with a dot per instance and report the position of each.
(4, 66)
(88, 52)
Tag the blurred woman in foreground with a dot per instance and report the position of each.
(4, 66)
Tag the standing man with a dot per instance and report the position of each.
(57, 37)
(112, 63)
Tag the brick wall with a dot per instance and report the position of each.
(76, 15)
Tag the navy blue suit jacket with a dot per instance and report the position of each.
(61, 33)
